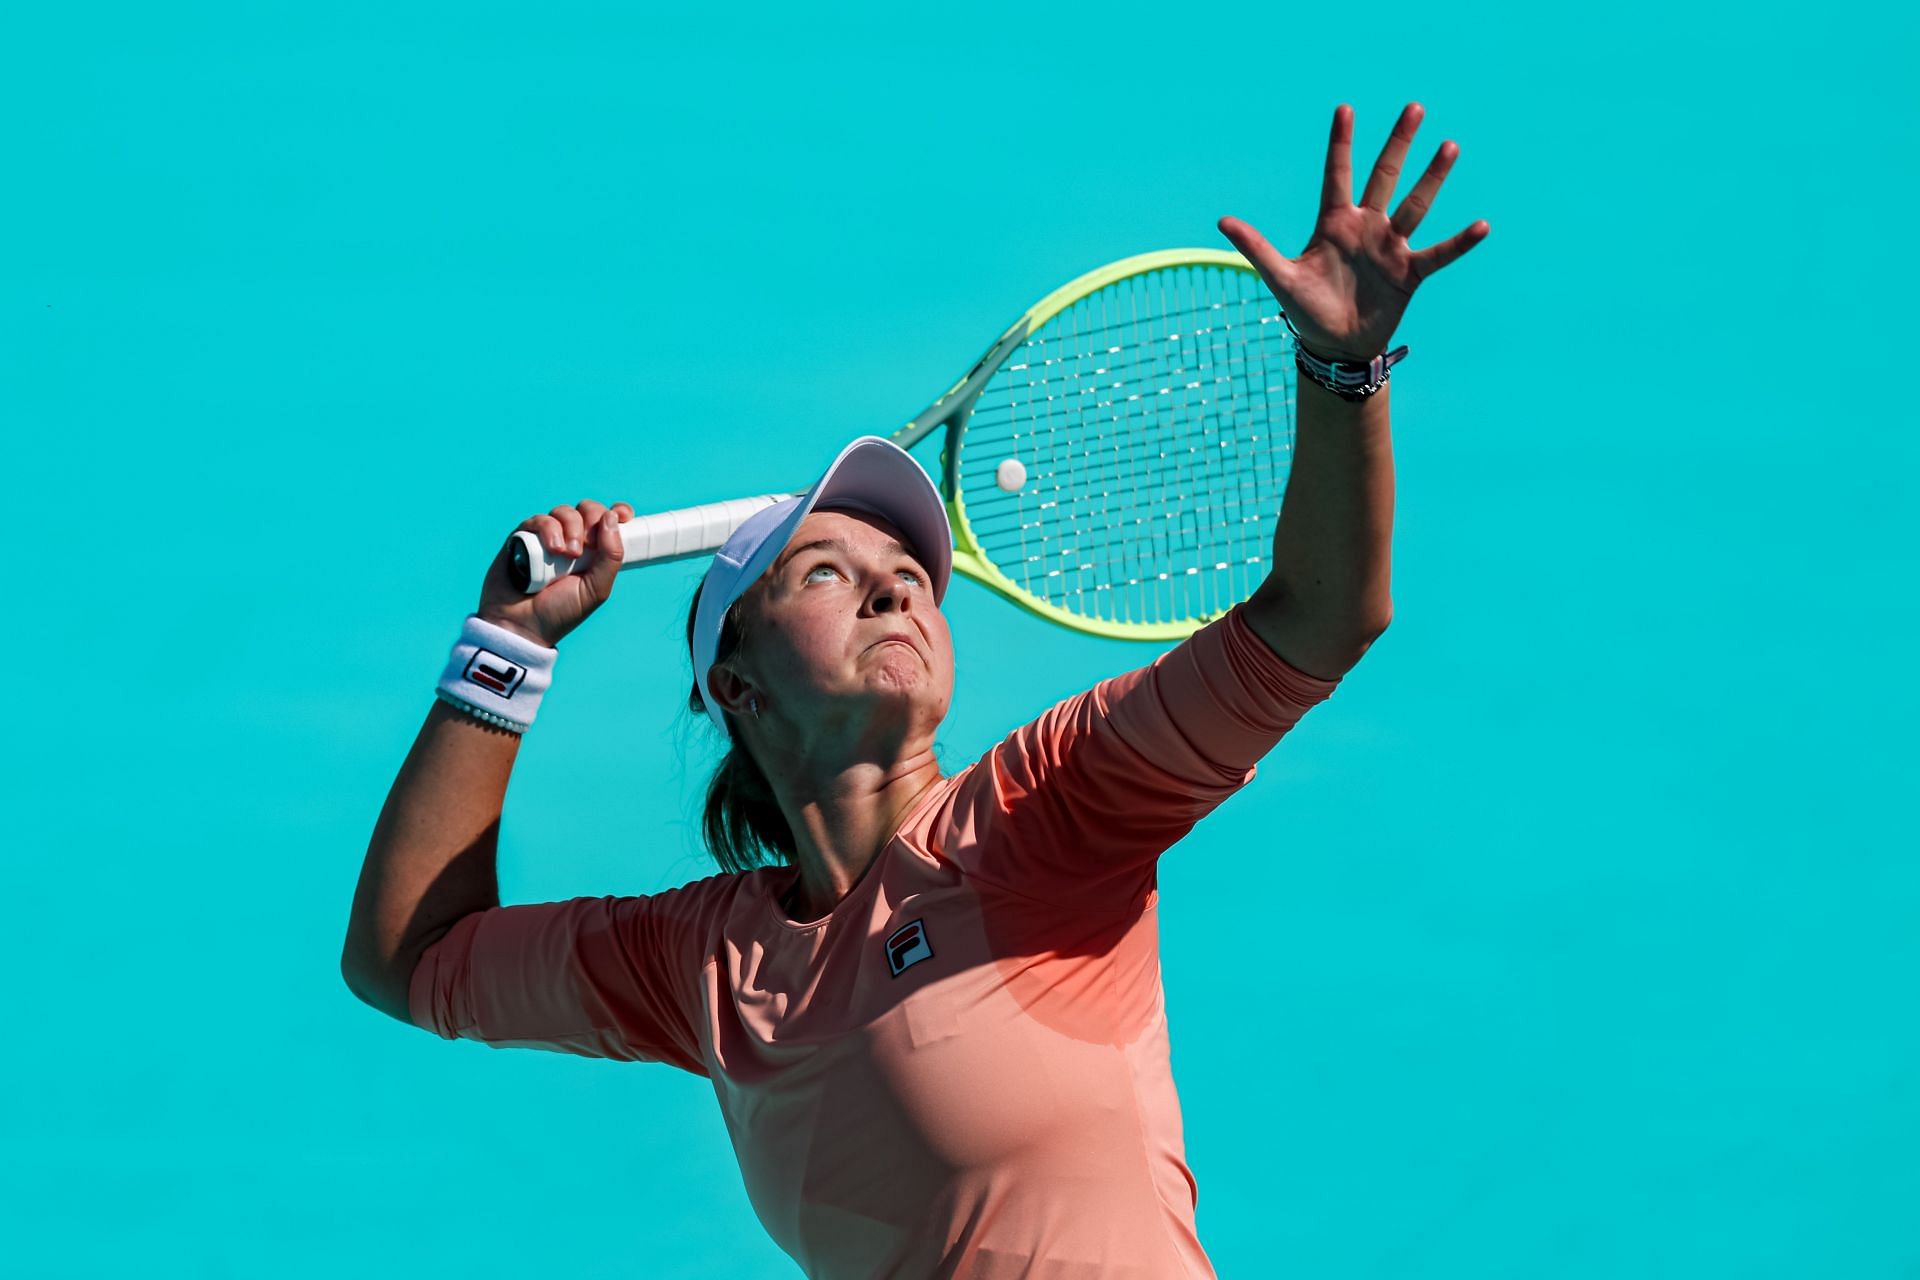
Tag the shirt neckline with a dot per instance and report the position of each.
(771, 887)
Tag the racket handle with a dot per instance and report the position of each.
(654, 539)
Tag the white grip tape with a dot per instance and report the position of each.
(691, 531)
(656, 539)
(497, 674)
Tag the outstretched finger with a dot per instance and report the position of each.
(1407, 217)
(1336, 186)
(1431, 259)
(1273, 265)
(1386, 170)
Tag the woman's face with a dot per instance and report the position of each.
(844, 646)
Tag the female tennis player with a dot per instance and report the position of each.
(929, 1005)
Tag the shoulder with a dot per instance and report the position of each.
(692, 914)
(724, 891)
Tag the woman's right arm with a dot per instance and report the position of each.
(431, 860)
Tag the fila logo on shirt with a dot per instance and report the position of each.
(908, 946)
(491, 671)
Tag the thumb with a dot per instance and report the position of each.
(608, 549)
(1271, 263)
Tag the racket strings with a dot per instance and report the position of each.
(1107, 392)
(1154, 420)
(1110, 544)
(1097, 337)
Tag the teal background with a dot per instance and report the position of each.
(1575, 936)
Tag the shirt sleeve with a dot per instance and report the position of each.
(1086, 797)
(605, 977)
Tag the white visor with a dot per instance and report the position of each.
(871, 474)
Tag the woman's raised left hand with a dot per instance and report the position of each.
(1349, 287)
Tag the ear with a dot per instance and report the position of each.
(729, 690)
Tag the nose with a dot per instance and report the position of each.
(890, 596)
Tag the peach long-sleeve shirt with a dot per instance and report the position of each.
(962, 1069)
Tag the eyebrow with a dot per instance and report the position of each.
(893, 545)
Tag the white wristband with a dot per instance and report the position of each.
(496, 675)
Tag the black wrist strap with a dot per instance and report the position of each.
(1348, 379)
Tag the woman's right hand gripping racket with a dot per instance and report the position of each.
(587, 535)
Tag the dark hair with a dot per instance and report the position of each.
(743, 824)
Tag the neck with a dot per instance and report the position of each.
(842, 819)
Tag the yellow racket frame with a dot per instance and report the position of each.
(968, 558)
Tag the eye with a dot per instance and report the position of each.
(816, 569)
(919, 579)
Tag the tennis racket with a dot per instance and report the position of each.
(1114, 463)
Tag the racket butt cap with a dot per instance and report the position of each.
(528, 566)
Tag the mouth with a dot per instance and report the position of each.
(893, 640)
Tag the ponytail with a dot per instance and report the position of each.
(742, 822)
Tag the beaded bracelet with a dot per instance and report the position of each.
(514, 726)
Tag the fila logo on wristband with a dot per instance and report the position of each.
(496, 674)
(491, 671)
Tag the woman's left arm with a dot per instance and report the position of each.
(1327, 594)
